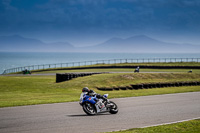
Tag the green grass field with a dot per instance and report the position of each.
(29, 90)
(192, 126)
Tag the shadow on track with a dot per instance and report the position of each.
(84, 115)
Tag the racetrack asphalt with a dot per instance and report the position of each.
(54, 74)
(134, 112)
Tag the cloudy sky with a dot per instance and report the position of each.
(89, 22)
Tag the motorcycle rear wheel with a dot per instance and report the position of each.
(114, 108)
(89, 109)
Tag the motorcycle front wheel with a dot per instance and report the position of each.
(89, 109)
(113, 108)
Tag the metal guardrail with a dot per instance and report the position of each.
(112, 61)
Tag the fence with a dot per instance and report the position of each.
(112, 61)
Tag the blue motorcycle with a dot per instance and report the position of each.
(93, 105)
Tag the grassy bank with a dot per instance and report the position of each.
(29, 90)
(192, 126)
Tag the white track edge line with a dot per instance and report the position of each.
(161, 124)
(171, 122)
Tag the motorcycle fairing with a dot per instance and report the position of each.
(85, 98)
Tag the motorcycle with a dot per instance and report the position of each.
(137, 70)
(93, 105)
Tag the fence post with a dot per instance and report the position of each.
(4, 72)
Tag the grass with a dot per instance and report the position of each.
(192, 126)
(119, 79)
(29, 90)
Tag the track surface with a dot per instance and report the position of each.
(45, 74)
(69, 117)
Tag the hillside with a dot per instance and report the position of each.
(18, 43)
(143, 44)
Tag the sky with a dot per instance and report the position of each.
(90, 22)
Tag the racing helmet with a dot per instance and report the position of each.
(85, 89)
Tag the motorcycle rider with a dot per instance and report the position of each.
(137, 69)
(89, 92)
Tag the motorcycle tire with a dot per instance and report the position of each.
(114, 109)
(89, 109)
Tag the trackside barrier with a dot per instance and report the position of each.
(85, 63)
(150, 86)
(69, 76)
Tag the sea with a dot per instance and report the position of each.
(19, 59)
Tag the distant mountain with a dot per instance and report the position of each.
(142, 44)
(135, 44)
(20, 44)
